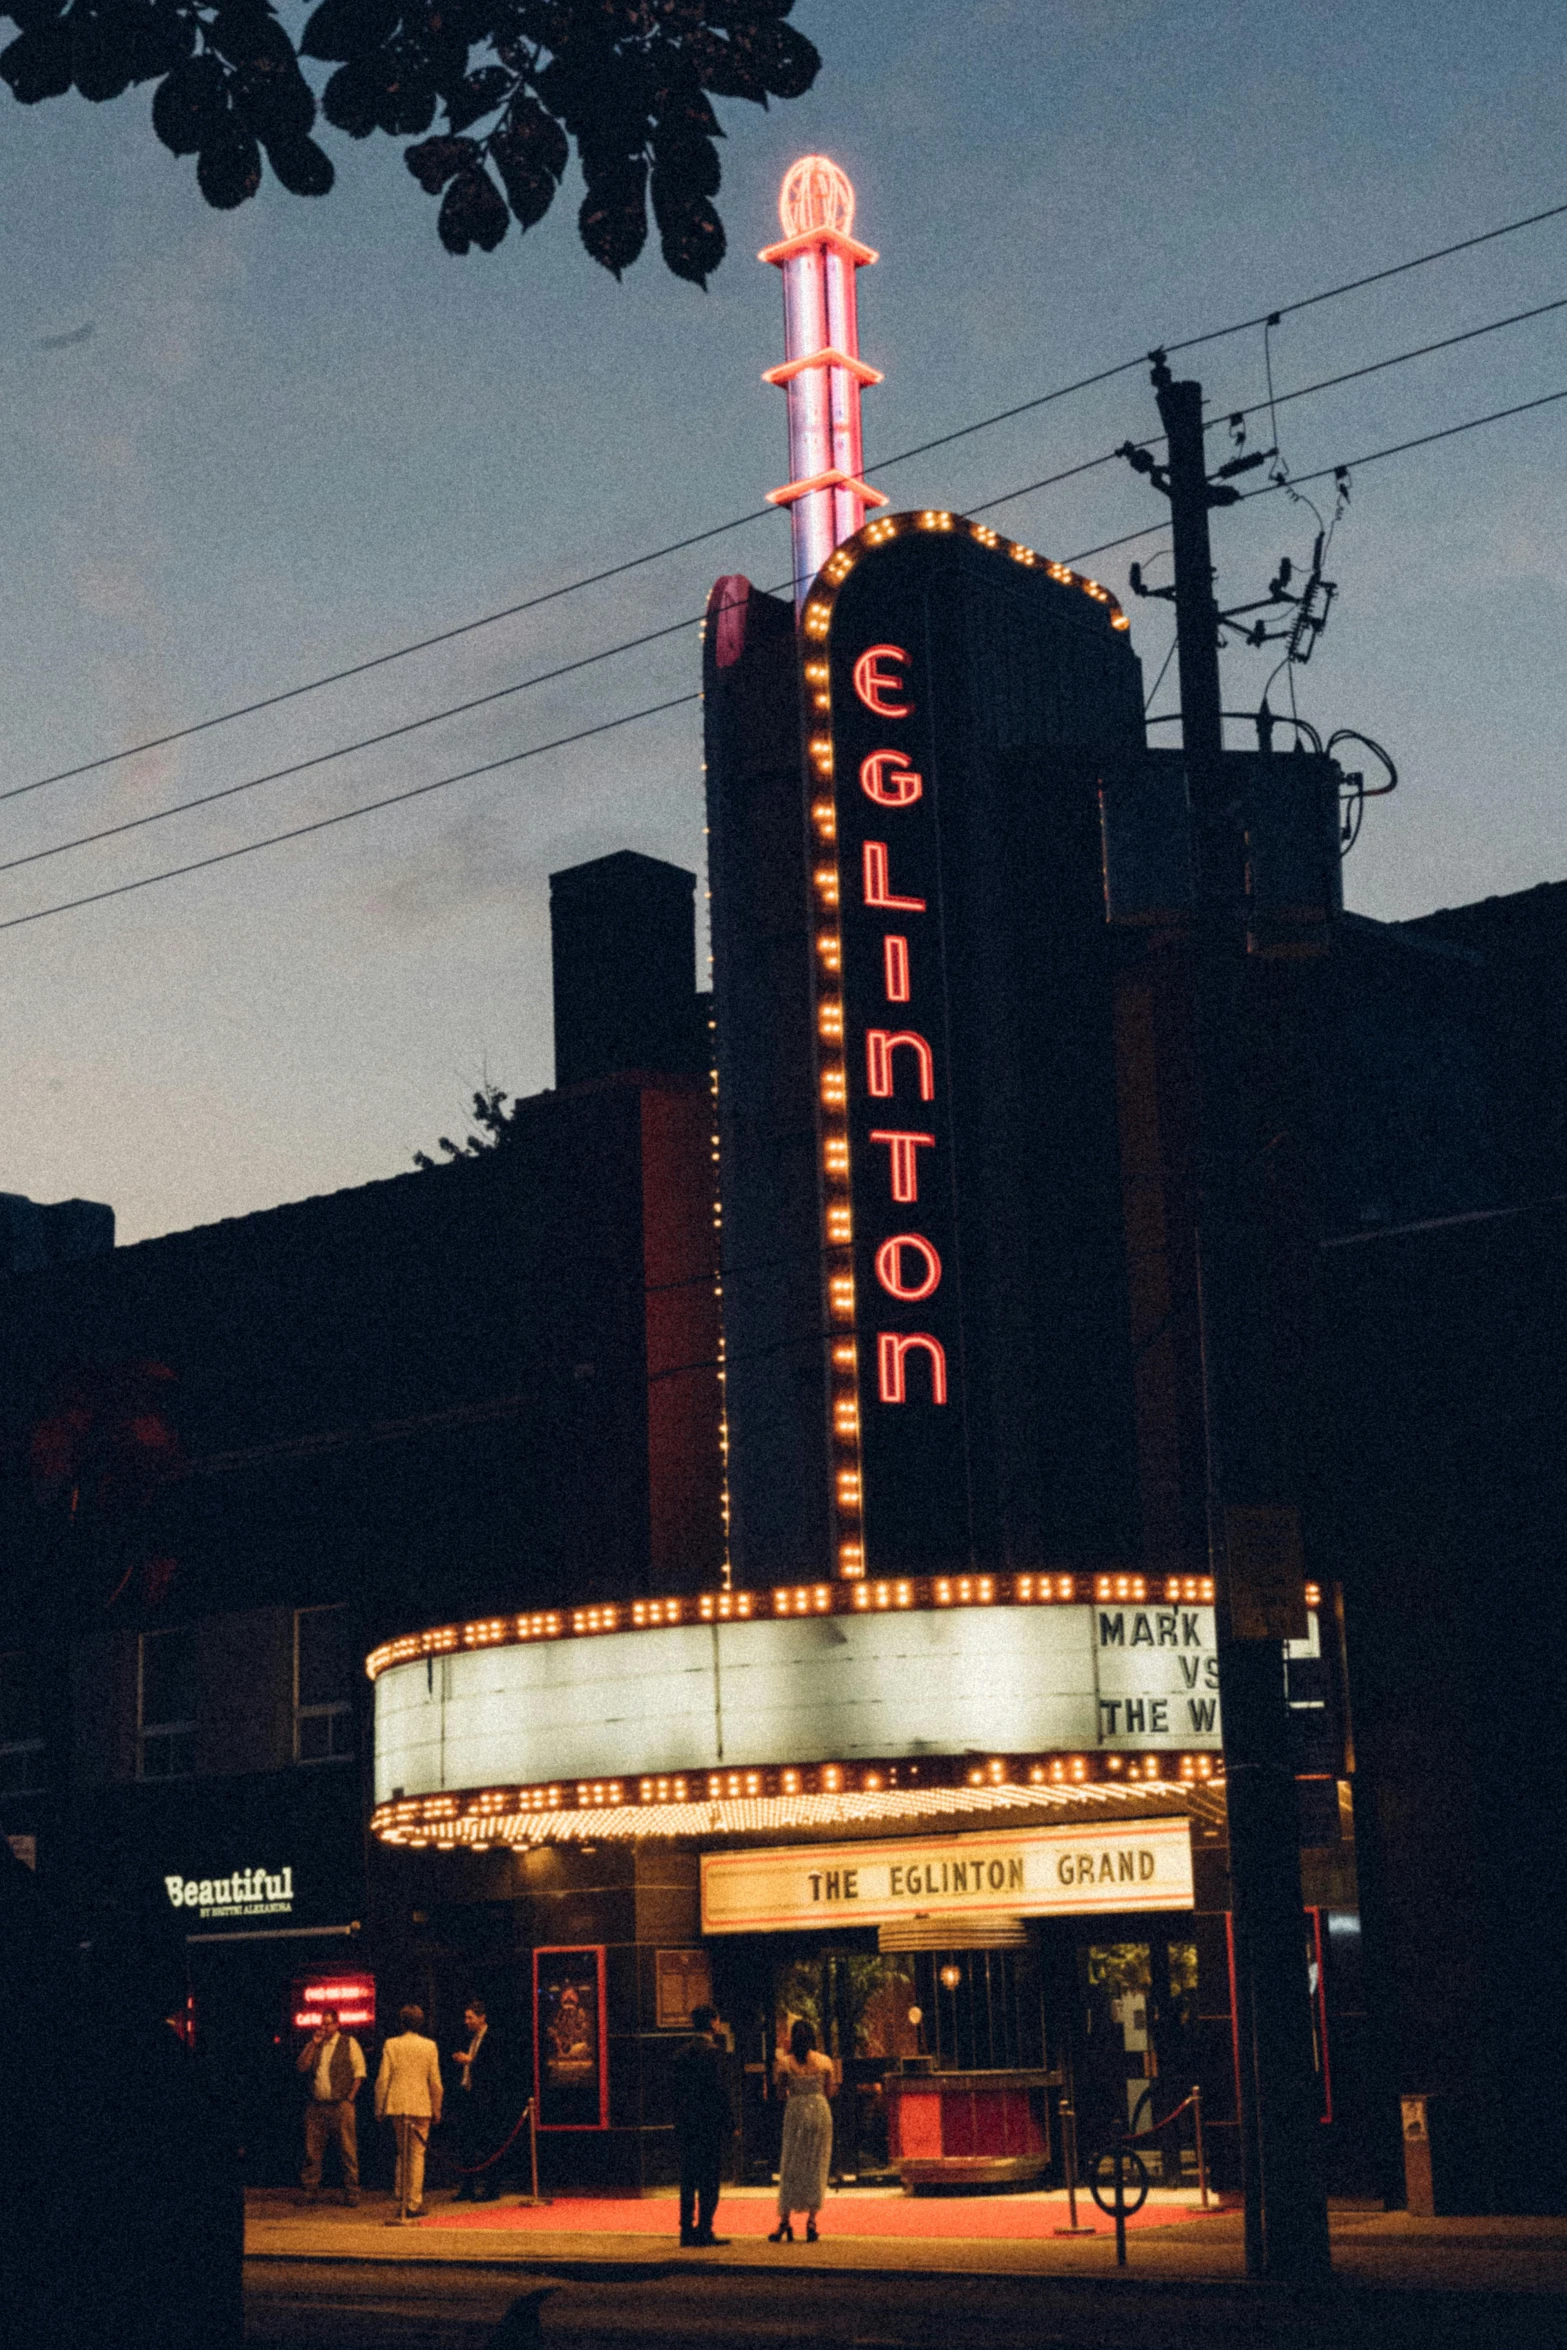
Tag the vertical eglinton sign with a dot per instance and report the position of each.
(900, 1475)
(906, 823)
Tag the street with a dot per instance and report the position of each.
(330, 2305)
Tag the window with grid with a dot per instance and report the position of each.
(21, 1724)
(166, 1704)
(323, 1685)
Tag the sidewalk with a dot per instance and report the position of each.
(875, 2231)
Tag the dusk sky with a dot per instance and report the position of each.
(302, 434)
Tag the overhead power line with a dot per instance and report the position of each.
(1325, 383)
(1422, 440)
(678, 627)
(715, 530)
(679, 701)
(1329, 383)
(366, 742)
(1346, 465)
(347, 815)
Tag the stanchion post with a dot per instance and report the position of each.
(1068, 2113)
(1202, 2148)
(1120, 2206)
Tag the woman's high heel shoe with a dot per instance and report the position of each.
(811, 2236)
(783, 2233)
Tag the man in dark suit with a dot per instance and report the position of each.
(481, 2103)
(703, 2126)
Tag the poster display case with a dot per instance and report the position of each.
(569, 2057)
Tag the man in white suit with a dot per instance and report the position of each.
(408, 2094)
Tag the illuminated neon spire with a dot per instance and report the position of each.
(823, 371)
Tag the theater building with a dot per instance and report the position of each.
(558, 1578)
(937, 1761)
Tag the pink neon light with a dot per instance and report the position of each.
(875, 688)
(822, 372)
(858, 368)
(880, 1045)
(832, 479)
(815, 195)
(895, 967)
(878, 881)
(902, 1164)
(890, 1272)
(891, 1347)
(885, 779)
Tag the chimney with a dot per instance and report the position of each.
(623, 946)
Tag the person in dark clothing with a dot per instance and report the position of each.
(480, 2106)
(122, 2216)
(703, 2126)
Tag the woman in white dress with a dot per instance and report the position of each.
(806, 2078)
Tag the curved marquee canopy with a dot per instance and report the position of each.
(894, 1693)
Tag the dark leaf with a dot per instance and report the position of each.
(162, 37)
(745, 12)
(683, 169)
(472, 213)
(784, 60)
(613, 218)
(407, 101)
(191, 107)
(529, 191)
(723, 67)
(385, 92)
(31, 14)
(351, 99)
(304, 168)
(437, 160)
(687, 109)
(102, 51)
(228, 169)
(249, 36)
(478, 94)
(276, 102)
(691, 237)
(574, 89)
(531, 133)
(344, 29)
(38, 64)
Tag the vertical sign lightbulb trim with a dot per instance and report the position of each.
(832, 1115)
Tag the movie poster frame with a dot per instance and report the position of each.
(595, 1951)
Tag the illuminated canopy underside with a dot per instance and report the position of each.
(826, 1708)
(453, 1823)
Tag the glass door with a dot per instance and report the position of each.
(1135, 2046)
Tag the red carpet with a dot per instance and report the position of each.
(855, 2213)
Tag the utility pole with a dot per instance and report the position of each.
(1253, 1521)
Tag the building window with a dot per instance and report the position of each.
(21, 1725)
(323, 1685)
(166, 1705)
